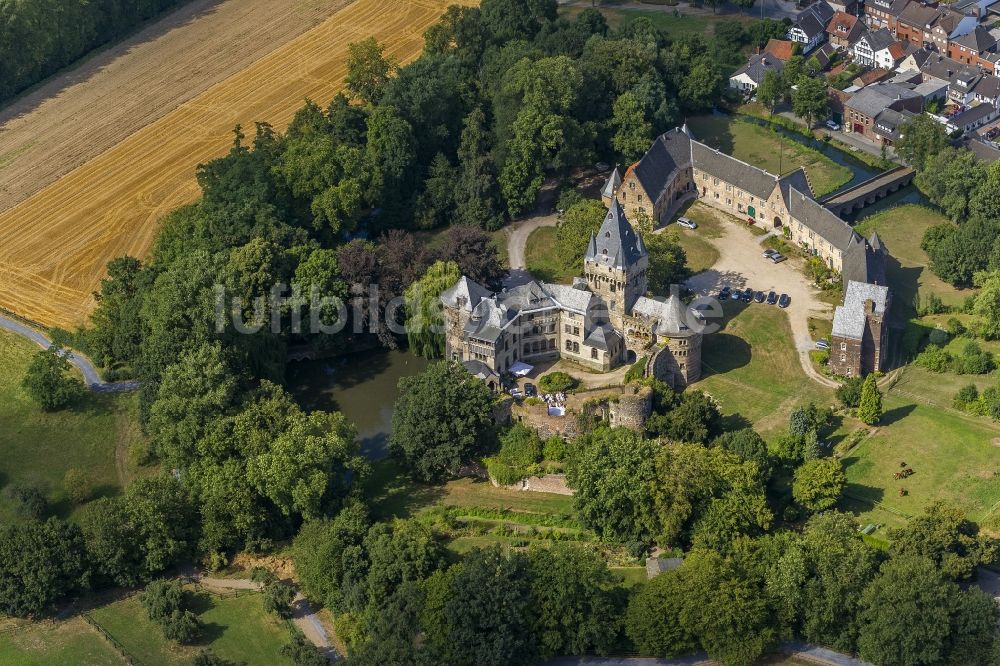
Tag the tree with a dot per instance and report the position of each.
(116, 328)
(436, 205)
(943, 535)
(442, 419)
(424, 321)
(809, 99)
(575, 228)
(303, 653)
(912, 615)
(477, 196)
(951, 179)
(653, 618)
(849, 392)
(632, 131)
(749, 445)
(368, 70)
(985, 203)
(509, 20)
(320, 552)
(576, 608)
(987, 304)
(667, 262)
(611, 472)
(405, 551)
(40, 564)
(28, 500)
(870, 405)
(690, 417)
(819, 483)
(921, 138)
(278, 595)
(771, 90)
(48, 380)
(475, 252)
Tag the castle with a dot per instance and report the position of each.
(603, 320)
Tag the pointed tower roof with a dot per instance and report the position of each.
(617, 243)
(876, 242)
(614, 182)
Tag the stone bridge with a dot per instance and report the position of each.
(864, 194)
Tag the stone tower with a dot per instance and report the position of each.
(616, 264)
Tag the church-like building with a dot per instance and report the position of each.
(602, 320)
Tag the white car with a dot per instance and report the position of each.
(822, 344)
(687, 223)
(832, 125)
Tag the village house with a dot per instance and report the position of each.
(749, 76)
(890, 56)
(859, 340)
(870, 43)
(970, 48)
(658, 183)
(864, 107)
(972, 118)
(884, 13)
(782, 49)
(809, 27)
(844, 29)
(932, 27)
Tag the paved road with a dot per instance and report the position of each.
(741, 265)
(91, 376)
(303, 615)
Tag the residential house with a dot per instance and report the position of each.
(844, 29)
(870, 43)
(914, 61)
(870, 77)
(657, 183)
(782, 49)
(889, 123)
(883, 13)
(809, 27)
(981, 9)
(969, 48)
(972, 118)
(749, 76)
(893, 54)
(932, 27)
(987, 90)
(865, 106)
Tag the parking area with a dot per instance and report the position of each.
(741, 265)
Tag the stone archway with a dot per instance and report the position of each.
(630, 356)
(777, 222)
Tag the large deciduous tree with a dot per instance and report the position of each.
(818, 483)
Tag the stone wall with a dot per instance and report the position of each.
(632, 408)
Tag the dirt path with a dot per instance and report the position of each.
(54, 246)
(741, 265)
(81, 113)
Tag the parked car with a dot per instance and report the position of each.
(768, 253)
(772, 298)
(529, 390)
(724, 294)
(822, 344)
(784, 301)
(777, 258)
(747, 295)
(687, 223)
(759, 297)
(832, 125)
(736, 295)
(516, 393)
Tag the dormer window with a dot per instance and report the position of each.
(604, 252)
(607, 234)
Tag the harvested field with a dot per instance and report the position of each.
(79, 114)
(54, 246)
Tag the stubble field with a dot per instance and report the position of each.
(55, 244)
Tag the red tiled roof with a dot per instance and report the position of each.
(841, 24)
(897, 50)
(779, 48)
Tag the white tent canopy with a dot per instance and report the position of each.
(521, 369)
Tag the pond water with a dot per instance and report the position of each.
(362, 386)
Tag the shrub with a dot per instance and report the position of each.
(954, 327)
(966, 396)
(49, 382)
(77, 485)
(636, 370)
(554, 449)
(974, 360)
(555, 382)
(165, 603)
(934, 358)
(932, 305)
(28, 500)
(520, 450)
(938, 336)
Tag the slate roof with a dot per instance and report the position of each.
(796, 180)
(657, 565)
(941, 67)
(480, 370)
(670, 151)
(983, 151)
(603, 337)
(978, 40)
(488, 320)
(972, 115)
(849, 318)
(889, 121)
(617, 243)
(864, 261)
(878, 39)
(820, 220)
(756, 181)
(892, 7)
(530, 296)
(759, 64)
(465, 293)
(670, 316)
(872, 100)
(810, 24)
(987, 87)
(570, 297)
(614, 182)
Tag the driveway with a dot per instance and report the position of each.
(741, 265)
(517, 238)
(91, 376)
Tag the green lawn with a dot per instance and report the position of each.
(953, 456)
(38, 447)
(236, 629)
(768, 150)
(902, 228)
(751, 368)
(544, 262)
(701, 254)
(43, 644)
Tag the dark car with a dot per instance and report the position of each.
(759, 297)
(724, 294)
(736, 295)
(529, 390)
(772, 298)
(747, 295)
(777, 258)
(784, 301)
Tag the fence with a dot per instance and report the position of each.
(129, 659)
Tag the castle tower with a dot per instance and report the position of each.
(616, 264)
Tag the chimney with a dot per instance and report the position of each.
(870, 305)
